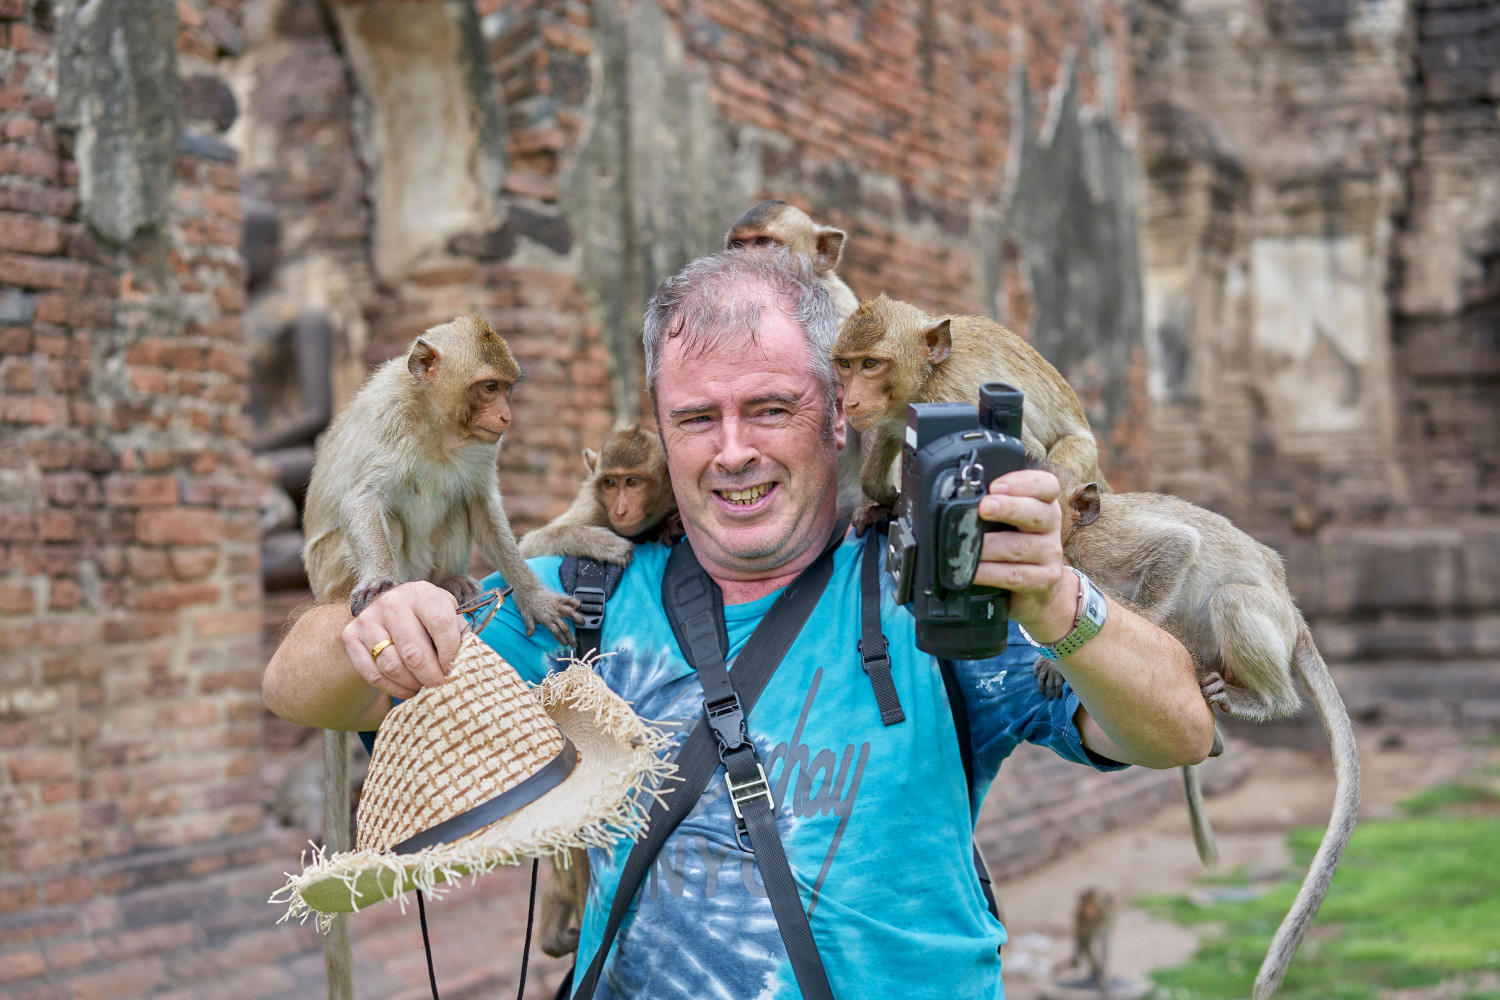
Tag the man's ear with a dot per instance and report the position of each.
(423, 360)
(1086, 504)
(591, 460)
(938, 339)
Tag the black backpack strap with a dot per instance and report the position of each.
(593, 583)
(873, 649)
(695, 609)
(960, 710)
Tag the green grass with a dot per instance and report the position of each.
(1416, 901)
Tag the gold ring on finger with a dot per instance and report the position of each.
(379, 648)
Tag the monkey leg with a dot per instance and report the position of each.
(560, 912)
(366, 591)
(1049, 680)
(463, 587)
(1255, 633)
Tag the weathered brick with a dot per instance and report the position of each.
(138, 491)
(17, 599)
(179, 526)
(29, 234)
(212, 624)
(20, 965)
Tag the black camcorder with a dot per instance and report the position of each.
(950, 455)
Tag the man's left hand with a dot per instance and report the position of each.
(1028, 562)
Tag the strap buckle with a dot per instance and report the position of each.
(591, 606)
(752, 789)
(727, 719)
(877, 656)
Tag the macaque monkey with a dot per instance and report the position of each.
(1224, 595)
(405, 481)
(889, 354)
(775, 224)
(627, 497)
(1093, 923)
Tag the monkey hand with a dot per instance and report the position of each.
(1049, 680)
(551, 610)
(366, 591)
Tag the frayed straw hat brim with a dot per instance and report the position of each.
(607, 796)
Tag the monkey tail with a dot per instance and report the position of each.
(1203, 833)
(1330, 707)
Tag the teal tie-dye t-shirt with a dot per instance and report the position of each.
(876, 820)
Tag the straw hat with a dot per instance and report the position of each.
(569, 762)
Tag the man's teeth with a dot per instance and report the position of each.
(751, 495)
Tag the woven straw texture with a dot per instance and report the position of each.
(607, 796)
(452, 748)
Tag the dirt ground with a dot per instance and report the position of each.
(1286, 788)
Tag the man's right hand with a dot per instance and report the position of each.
(423, 627)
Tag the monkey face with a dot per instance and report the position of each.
(629, 500)
(867, 395)
(489, 409)
(752, 447)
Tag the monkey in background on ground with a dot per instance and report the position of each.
(1093, 923)
(405, 481)
(890, 354)
(1224, 596)
(627, 497)
(775, 224)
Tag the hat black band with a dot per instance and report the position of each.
(528, 791)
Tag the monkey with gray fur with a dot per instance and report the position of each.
(627, 497)
(1224, 596)
(405, 481)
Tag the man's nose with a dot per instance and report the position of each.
(737, 451)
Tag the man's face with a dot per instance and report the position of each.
(753, 467)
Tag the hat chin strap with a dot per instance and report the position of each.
(528, 791)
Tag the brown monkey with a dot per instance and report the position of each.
(627, 497)
(1093, 923)
(890, 354)
(405, 482)
(1224, 595)
(773, 224)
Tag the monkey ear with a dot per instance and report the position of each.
(423, 360)
(1086, 503)
(938, 339)
(591, 459)
(828, 247)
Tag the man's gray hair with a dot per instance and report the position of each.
(718, 299)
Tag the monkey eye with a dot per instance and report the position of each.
(842, 362)
(632, 481)
(492, 386)
(869, 363)
(736, 244)
(763, 241)
(609, 482)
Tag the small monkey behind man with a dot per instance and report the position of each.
(889, 354)
(1093, 923)
(626, 498)
(1224, 596)
(773, 225)
(405, 482)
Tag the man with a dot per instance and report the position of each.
(876, 820)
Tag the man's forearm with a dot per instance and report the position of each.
(1137, 684)
(311, 681)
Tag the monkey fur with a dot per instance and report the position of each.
(1224, 595)
(626, 497)
(404, 482)
(1093, 923)
(890, 353)
(773, 224)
